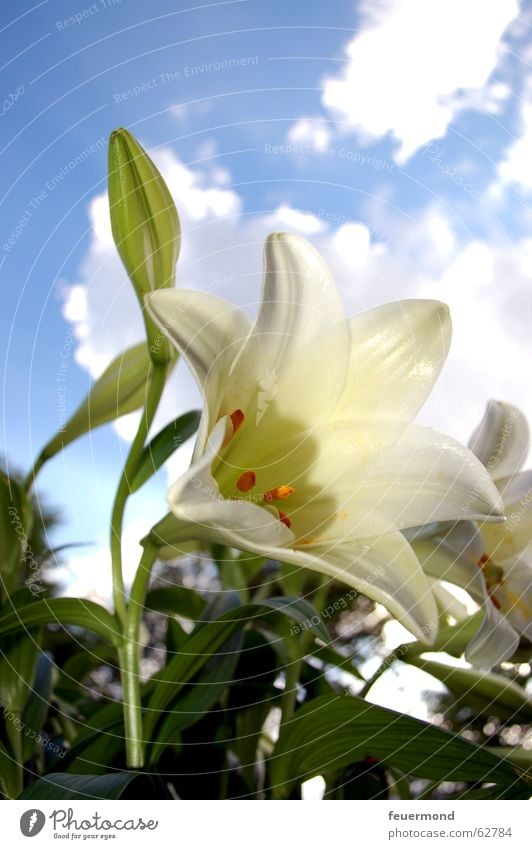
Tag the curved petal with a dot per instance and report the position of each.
(385, 569)
(441, 559)
(463, 538)
(507, 541)
(208, 331)
(494, 642)
(501, 439)
(428, 477)
(515, 489)
(448, 559)
(447, 602)
(296, 356)
(397, 353)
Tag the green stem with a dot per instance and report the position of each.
(129, 656)
(15, 738)
(155, 389)
(301, 647)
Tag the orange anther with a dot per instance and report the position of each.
(286, 520)
(278, 492)
(237, 417)
(246, 481)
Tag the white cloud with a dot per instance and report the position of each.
(410, 62)
(516, 164)
(352, 242)
(314, 132)
(488, 291)
(305, 223)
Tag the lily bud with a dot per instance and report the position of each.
(144, 219)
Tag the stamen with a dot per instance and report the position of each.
(237, 417)
(278, 492)
(286, 520)
(483, 560)
(246, 481)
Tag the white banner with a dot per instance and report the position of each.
(253, 825)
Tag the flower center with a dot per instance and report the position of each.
(247, 480)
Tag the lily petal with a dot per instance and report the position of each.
(208, 331)
(299, 347)
(508, 540)
(447, 602)
(501, 439)
(494, 642)
(438, 480)
(447, 559)
(386, 570)
(397, 353)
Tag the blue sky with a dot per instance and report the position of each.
(397, 136)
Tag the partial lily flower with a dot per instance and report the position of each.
(307, 452)
(493, 562)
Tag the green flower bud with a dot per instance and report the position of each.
(144, 219)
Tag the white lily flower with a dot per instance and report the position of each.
(307, 452)
(493, 562)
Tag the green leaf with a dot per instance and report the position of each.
(179, 600)
(486, 692)
(330, 733)
(301, 612)
(361, 780)
(15, 527)
(163, 445)
(67, 786)
(18, 657)
(198, 697)
(38, 704)
(9, 774)
(176, 637)
(98, 753)
(211, 636)
(63, 611)
(518, 756)
(121, 389)
(100, 736)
